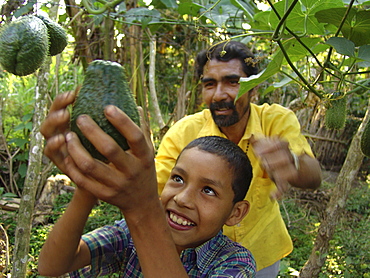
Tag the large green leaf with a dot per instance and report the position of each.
(342, 46)
(302, 18)
(248, 7)
(248, 83)
(190, 8)
(143, 16)
(261, 21)
(356, 26)
(297, 51)
(364, 55)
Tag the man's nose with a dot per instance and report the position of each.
(219, 93)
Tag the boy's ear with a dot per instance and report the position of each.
(239, 211)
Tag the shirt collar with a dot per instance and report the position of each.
(204, 254)
(254, 125)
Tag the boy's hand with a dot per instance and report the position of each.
(129, 180)
(278, 162)
(55, 126)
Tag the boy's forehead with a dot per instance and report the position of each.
(205, 165)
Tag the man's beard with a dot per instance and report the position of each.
(224, 120)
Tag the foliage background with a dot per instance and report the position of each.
(320, 58)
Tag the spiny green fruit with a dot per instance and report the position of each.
(57, 36)
(365, 140)
(105, 83)
(23, 45)
(336, 112)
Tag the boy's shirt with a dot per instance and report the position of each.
(112, 251)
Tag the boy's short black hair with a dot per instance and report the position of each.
(226, 51)
(238, 161)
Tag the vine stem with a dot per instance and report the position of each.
(107, 5)
(306, 83)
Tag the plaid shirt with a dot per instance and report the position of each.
(113, 251)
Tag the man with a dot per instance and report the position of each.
(270, 136)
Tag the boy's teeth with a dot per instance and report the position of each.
(180, 221)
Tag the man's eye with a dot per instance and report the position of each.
(177, 178)
(209, 191)
(208, 84)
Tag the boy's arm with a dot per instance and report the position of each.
(128, 182)
(64, 251)
(153, 242)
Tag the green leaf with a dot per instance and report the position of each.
(22, 170)
(302, 18)
(342, 46)
(297, 51)
(364, 55)
(189, 8)
(261, 21)
(360, 30)
(249, 8)
(143, 16)
(356, 27)
(19, 142)
(248, 83)
(222, 13)
(170, 4)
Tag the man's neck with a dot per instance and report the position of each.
(235, 132)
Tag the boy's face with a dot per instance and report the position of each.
(198, 197)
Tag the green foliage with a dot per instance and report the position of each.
(102, 214)
(348, 252)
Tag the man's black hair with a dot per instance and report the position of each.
(226, 51)
(238, 161)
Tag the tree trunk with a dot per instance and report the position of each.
(26, 208)
(153, 92)
(336, 204)
(182, 92)
(34, 169)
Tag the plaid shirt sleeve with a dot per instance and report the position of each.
(107, 247)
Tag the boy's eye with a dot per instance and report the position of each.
(209, 191)
(177, 179)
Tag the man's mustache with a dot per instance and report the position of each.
(222, 105)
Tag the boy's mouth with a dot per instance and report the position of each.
(179, 220)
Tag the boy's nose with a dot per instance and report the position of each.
(185, 198)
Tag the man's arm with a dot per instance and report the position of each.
(286, 168)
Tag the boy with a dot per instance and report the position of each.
(177, 236)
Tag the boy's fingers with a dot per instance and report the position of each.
(136, 139)
(63, 100)
(56, 122)
(56, 150)
(145, 128)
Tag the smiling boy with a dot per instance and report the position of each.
(177, 236)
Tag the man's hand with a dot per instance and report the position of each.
(278, 161)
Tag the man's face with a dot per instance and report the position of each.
(198, 198)
(220, 86)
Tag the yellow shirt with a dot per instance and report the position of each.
(263, 230)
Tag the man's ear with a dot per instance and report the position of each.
(239, 211)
